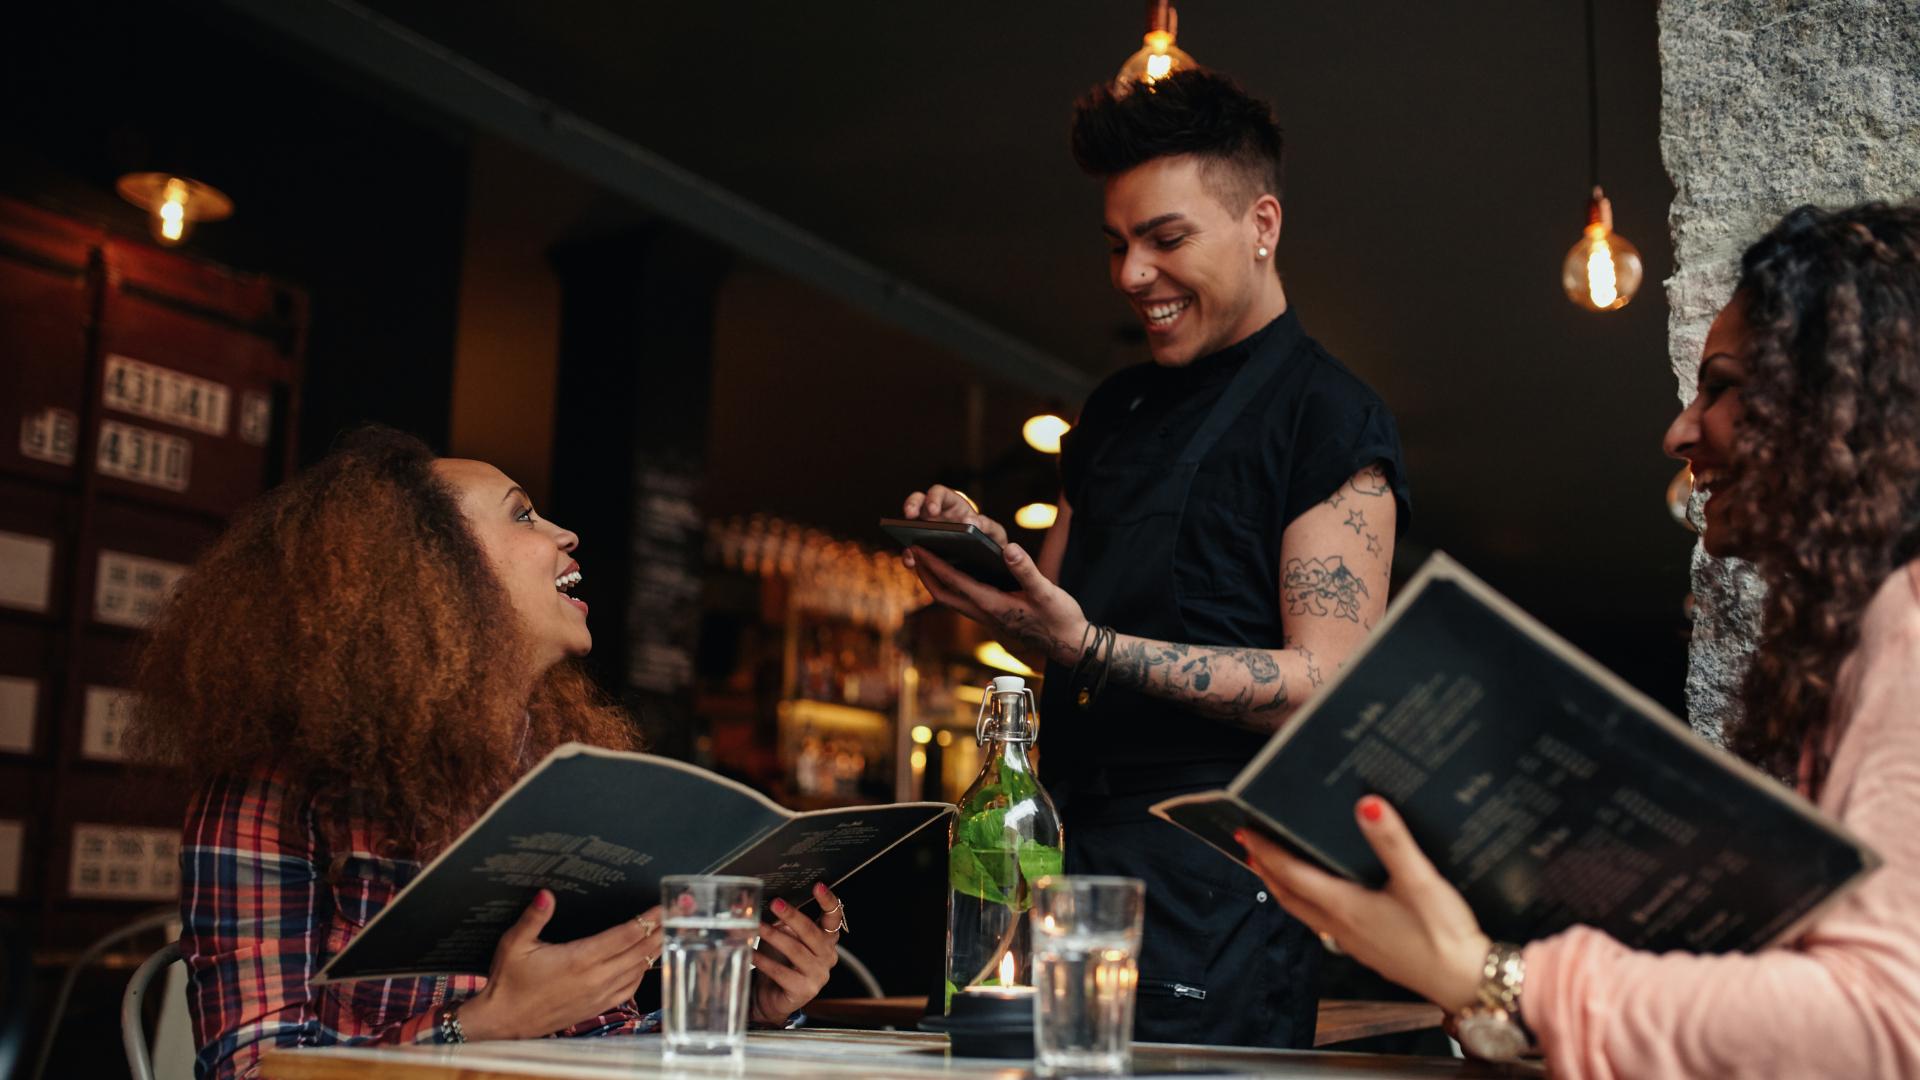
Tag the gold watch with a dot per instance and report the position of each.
(1490, 1028)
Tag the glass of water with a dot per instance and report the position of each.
(1086, 942)
(711, 924)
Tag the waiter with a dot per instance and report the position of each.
(1225, 532)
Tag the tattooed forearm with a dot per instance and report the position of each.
(1323, 587)
(1246, 687)
(1030, 631)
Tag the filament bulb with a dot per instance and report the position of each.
(1602, 271)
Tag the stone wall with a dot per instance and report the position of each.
(1765, 105)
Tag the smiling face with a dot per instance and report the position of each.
(532, 558)
(1706, 432)
(1192, 270)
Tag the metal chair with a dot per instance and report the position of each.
(133, 1024)
(161, 919)
(860, 971)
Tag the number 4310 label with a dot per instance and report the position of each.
(146, 457)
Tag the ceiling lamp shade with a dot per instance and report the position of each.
(174, 204)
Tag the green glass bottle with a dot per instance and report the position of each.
(1005, 837)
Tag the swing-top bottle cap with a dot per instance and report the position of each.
(1009, 684)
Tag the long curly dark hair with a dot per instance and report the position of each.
(1827, 468)
(348, 631)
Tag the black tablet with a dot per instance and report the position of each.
(963, 546)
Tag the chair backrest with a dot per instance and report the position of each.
(133, 1024)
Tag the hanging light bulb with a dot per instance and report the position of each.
(1602, 271)
(1043, 432)
(174, 203)
(1158, 57)
(1036, 516)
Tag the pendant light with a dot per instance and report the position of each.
(1602, 271)
(174, 204)
(1158, 57)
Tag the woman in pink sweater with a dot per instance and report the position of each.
(1805, 433)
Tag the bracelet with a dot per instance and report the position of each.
(450, 1031)
(1090, 674)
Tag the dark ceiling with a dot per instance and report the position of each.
(1437, 175)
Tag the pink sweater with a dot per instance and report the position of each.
(1844, 999)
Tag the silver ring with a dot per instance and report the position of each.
(1328, 943)
(647, 926)
(839, 909)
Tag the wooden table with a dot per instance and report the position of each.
(818, 1055)
(1340, 1021)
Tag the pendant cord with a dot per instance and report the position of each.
(1593, 106)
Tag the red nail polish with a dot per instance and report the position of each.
(780, 906)
(1371, 808)
(543, 900)
(1240, 837)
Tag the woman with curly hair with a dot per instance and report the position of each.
(368, 657)
(1805, 432)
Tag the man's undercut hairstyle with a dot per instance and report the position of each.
(1196, 112)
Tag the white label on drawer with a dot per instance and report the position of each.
(159, 393)
(18, 697)
(256, 418)
(153, 458)
(26, 571)
(50, 435)
(129, 590)
(13, 835)
(104, 722)
(112, 862)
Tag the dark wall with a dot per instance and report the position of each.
(359, 203)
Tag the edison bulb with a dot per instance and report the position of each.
(1158, 58)
(1602, 271)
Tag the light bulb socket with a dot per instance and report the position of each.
(1162, 18)
(1600, 210)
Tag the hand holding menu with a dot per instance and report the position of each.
(601, 828)
(1548, 791)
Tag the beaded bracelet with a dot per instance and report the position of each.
(450, 1031)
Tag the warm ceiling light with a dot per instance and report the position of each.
(1043, 432)
(1036, 516)
(1158, 57)
(1602, 271)
(995, 655)
(174, 203)
(922, 734)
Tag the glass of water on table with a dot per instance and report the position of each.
(711, 923)
(1086, 943)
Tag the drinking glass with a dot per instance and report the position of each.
(1086, 940)
(711, 923)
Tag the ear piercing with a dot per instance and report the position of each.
(1260, 252)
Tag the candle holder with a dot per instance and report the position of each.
(988, 1022)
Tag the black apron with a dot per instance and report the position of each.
(1220, 963)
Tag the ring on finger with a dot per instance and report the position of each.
(1328, 943)
(647, 926)
(839, 909)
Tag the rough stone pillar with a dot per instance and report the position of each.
(1765, 105)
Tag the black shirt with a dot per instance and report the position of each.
(1310, 428)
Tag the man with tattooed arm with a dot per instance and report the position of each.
(1225, 531)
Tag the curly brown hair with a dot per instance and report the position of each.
(1827, 468)
(348, 630)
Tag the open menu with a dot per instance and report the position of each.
(600, 828)
(1546, 789)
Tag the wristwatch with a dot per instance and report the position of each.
(1490, 1029)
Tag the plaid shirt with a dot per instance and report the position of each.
(274, 881)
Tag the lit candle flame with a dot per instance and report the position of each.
(1007, 973)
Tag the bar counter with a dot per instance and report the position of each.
(818, 1053)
